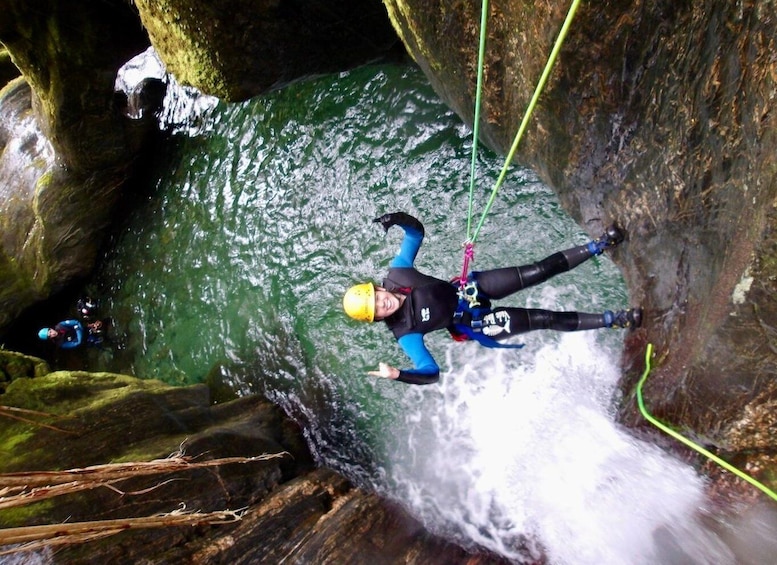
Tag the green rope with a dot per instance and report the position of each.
(527, 115)
(689, 443)
(476, 125)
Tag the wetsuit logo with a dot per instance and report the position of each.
(425, 314)
(496, 323)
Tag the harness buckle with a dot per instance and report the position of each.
(469, 293)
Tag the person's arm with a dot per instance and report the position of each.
(425, 370)
(411, 243)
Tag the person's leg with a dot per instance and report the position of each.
(499, 283)
(502, 323)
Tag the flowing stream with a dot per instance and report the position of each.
(231, 268)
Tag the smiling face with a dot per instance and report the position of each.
(386, 303)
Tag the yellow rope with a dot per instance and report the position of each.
(742, 475)
(537, 91)
(476, 123)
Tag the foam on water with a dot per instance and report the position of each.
(524, 444)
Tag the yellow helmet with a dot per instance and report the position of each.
(359, 302)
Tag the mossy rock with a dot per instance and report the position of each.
(241, 48)
(80, 403)
(77, 419)
(15, 365)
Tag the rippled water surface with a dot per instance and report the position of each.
(232, 269)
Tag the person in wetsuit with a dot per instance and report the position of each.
(65, 335)
(88, 310)
(413, 304)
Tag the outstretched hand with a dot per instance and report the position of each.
(385, 371)
(399, 218)
(386, 220)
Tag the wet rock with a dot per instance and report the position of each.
(146, 98)
(291, 511)
(51, 218)
(240, 48)
(66, 150)
(8, 70)
(70, 58)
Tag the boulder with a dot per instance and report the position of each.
(290, 510)
(67, 145)
(237, 49)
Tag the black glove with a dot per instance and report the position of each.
(386, 220)
(398, 218)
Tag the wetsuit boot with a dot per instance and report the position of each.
(631, 318)
(611, 237)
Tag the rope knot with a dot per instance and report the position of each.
(469, 255)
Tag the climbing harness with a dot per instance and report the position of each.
(711, 456)
(472, 236)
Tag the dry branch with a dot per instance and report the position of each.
(18, 489)
(56, 534)
(117, 471)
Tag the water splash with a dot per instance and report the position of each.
(524, 444)
(184, 109)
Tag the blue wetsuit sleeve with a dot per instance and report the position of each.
(411, 243)
(425, 371)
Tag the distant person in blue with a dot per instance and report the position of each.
(413, 304)
(65, 335)
(89, 330)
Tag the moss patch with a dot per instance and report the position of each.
(13, 438)
(70, 392)
(79, 403)
(24, 515)
(16, 365)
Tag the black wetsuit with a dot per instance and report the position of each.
(432, 304)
